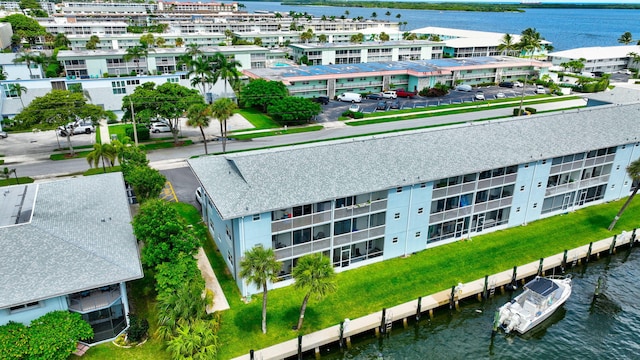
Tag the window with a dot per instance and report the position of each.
(423, 185)
(23, 307)
(256, 217)
(396, 216)
(118, 87)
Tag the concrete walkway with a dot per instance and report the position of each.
(220, 302)
(105, 138)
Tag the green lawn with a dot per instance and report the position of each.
(385, 284)
(12, 181)
(258, 119)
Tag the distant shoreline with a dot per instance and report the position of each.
(479, 7)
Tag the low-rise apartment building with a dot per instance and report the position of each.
(353, 76)
(68, 245)
(386, 196)
(606, 59)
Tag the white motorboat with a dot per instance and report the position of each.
(540, 298)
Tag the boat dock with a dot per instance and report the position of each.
(382, 321)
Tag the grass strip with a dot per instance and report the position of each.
(13, 181)
(293, 130)
(370, 288)
(65, 156)
(421, 113)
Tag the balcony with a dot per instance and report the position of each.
(86, 301)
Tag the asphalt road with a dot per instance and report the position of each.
(39, 166)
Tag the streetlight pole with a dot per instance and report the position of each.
(133, 119)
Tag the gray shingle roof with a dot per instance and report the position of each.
(248, 183)
(67, 247)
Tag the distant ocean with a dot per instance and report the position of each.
(565, 28)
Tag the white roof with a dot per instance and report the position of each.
(597, 52)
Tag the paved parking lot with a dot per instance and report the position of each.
(334, 109)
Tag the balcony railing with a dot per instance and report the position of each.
(90, 300)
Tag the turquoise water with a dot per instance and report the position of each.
(605, 328)
(565, 28)
(281, 65)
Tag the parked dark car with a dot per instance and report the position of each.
(394, 104)
(381, 105)
(324, 100)
(507, 84)
(375, 97)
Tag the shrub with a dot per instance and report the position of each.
(433, 92)
(143, 132)
(516, 113)
(530, 110)
(358, 115)
(138, 328)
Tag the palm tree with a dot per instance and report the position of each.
(224, 69)
(635, 59)
(193, 50)
(93, 42)
(136, 53)
(374, 15)
(306, 36)
(507, 44)
(259, 267)
(102, 152)
(18, 90)
(529, 42)
(179, 42)
(322, 38)
(314, 274)
(383, 36)
(203, 73)
(61, 40)
(388, 14)
(625, 38)
(222, 109)
(28, 58)
(198, 116)
(197, 340)
(633, 170)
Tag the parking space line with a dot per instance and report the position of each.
(168, 193)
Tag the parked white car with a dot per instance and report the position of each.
(158, 127)
(479, 95)
(540, 89)
(517, 84)
(77, 127)
(354, 108)
(389, 94)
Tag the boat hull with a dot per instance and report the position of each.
(541, 298)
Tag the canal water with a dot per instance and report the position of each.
(565, 28)
(583, 328)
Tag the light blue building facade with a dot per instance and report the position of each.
(360, 201)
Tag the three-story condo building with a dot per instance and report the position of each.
(364, 200)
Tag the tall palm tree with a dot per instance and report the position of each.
(507, 44)
(198, 116)
(102, 152)
(202, 71)
(314, 274)
(194, 50)
(374, 15)
(259, 267)
(225, 69)
(625, 38)
(222, 109)
(179, 42)
(136, 53)
(306, 36)
(633, 170)
(18, 90)
(635, 58)
(28, 58)
(61, 40)
(529, 42)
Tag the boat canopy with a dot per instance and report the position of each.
(542, 286)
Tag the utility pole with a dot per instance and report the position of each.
(133, 119)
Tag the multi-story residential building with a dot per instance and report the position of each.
(97, 63)
(460, 43)
(370, 51)
(93, 8)
(350, 75)
(85, 29)
(606, 59)
(105, 92)
(196, 7)
(361, 201)
(68, 245)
